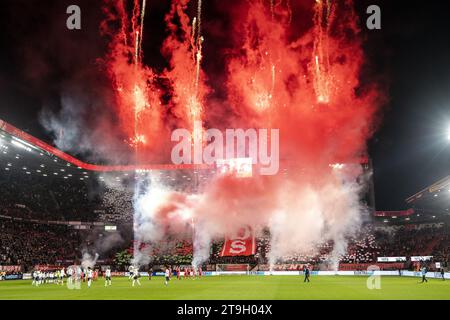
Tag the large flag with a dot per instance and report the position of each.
(240, 244)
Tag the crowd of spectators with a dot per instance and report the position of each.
(365, 247)
(53, 199)
(57, 199)
(28, 244)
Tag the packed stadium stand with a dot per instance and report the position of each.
(27, 244)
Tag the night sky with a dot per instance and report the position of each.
(410, 55)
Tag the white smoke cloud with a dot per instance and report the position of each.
(88, 260)
(300, 215)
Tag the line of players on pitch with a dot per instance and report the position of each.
(192, 273)
(76, 274)
(73, 274)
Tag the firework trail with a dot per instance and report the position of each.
(199, 44)
(144, 6)
(138, 102)
(322, 78)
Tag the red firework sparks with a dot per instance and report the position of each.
(303, 82)
(305, 86)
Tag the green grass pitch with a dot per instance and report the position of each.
(235, 287)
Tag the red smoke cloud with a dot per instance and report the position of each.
(302, 81)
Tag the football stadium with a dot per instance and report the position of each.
(197, 150)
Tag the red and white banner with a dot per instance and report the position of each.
(404, 213)
(10, 268)
(46, 267)
(242, 243)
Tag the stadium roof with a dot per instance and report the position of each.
(434, 199)
(27, 142)
(436, 190)
(22, 151)
(25, 154)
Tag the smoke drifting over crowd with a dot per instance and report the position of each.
(278, 72)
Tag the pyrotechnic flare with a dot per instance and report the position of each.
(198, 60)
(321, 60)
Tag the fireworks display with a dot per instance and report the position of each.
(302, 79)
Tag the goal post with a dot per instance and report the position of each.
(242, 267)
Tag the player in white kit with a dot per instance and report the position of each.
(135, 274)
(90, 275)
(70, 275)
(167, 275)
(35, 278)
(108, 277)
(62, 275)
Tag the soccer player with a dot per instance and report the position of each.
(424, 274)
(443, 274)
(167, 274)
(62, 275)
(38, 278)
(90, 275)
(150, 274)
(306, 271)
(131, 269)
(135, 274)
(34, 278)
(70, 274)
(108, 277)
